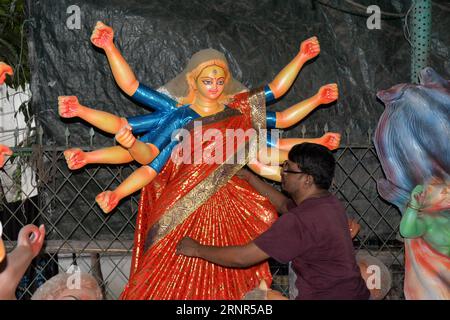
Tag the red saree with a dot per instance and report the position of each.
(205, 202)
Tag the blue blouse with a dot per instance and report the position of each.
(157, 127)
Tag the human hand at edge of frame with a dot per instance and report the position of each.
(4, 151)
(2, 246)
(102, 36)
(4, 70)
(188, 247)
(32, 238)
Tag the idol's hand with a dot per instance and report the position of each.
(188, 247)
(107, 200)
(4, 151)
(328, 93)
(32, 238)
(331, 140)
(102, 36)
(4, 70)
(75, 158)
(310, 48)
(125, 137)
(68, 106)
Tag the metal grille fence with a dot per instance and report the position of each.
(101, 244)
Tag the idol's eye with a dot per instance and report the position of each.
(207, 82)
(221, 82)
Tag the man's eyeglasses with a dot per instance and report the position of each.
(285, 169)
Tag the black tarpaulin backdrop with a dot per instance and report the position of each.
(259, 37)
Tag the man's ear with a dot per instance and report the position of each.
(309, 180)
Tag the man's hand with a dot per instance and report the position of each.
(244, 174)
(4, 151)
(188, 247)
(32, 238)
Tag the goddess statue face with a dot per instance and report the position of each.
(211, 82)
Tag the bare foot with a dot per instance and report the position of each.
(125, 137)
(310, 48)
(68, 106)
(107, 200)
(4, 70)
(102, 36)
(76, 158)
(331, 140)
(328, 93)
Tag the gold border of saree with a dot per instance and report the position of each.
(207, 188)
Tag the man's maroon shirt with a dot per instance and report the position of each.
(315, 236)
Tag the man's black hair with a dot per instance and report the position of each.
(315, 160)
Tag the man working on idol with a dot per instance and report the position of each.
(312, 232)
